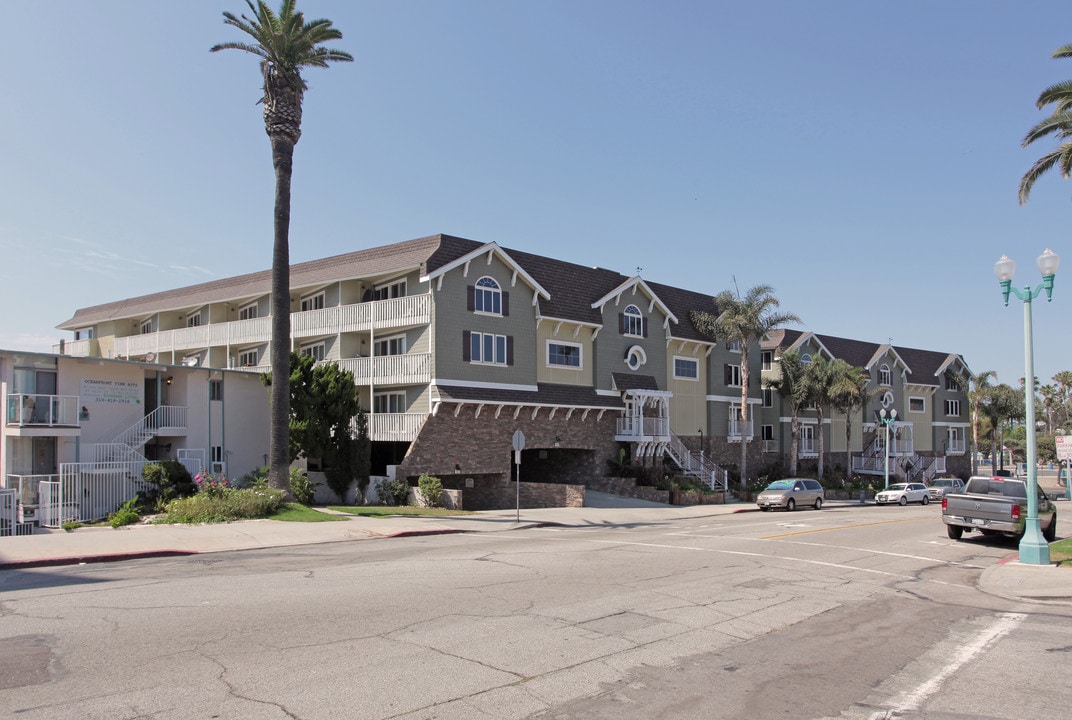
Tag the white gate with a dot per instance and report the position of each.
(8, 503)
(192, 460)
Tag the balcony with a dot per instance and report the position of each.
(736, 428)
(380, 315)
(398, 427)
(956, 447)
(412, 369)
(77, 348)
(635, 429)
(32, 410)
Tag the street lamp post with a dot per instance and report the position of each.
(887, 420)
(1034, 549)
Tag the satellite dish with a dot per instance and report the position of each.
(150, 357)
(192, 361)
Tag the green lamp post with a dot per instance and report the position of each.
(1034, 550)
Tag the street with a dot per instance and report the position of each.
(848, 612)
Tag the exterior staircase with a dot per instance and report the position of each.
(695, 465)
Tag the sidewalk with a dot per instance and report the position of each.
(1009, 579)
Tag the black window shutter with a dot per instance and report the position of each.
(644, 326)
(727, 374)
(467, 346)
(509, 349)
(506, 304)
(470, 298)
(621, 323)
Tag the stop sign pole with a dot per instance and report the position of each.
(1064, 454)
(519, 445)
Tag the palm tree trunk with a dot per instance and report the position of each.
(975, 441)
(822, 445)
(848, 444)
(279, 448)
(794, 446)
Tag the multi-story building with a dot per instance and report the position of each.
(76, 431)
(921, 393)
(455, 345)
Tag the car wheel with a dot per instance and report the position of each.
(925, 500)
(790, 505)
(1050, 532)
(818, 503)
(903, 500)
(763, 509)
(954, 532)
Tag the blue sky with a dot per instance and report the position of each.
(860, 157)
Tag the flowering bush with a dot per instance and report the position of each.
(210, 485)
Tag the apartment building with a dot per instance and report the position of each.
(918, 407)
(76, 431)
(455, 345)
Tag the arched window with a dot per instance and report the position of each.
(632, 321)
(805, 359)
(488, 298)
(885, 377)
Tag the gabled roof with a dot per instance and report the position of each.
(927, 367)
(491, 250)
(635, 283)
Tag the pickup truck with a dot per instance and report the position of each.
(995, 506)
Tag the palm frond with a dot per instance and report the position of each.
(1041, 165)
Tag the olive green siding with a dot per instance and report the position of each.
(612, 345)
(546, 333)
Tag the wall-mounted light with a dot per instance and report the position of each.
(557, 440)
(170, 378)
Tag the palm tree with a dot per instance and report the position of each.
(824, 380)
(1064, 384)
(851, 393)
(285, 43)
(1050, 395)
(978, 389)
(1058, 124)
(745, 321)
(792, 389)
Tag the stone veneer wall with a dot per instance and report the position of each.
(468, 445)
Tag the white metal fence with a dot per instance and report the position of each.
(8, 505)
(88, 491)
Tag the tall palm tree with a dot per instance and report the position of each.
(1050, 396)
(1058, 124)
(285, 43)
(790, 386)
(851, 393)
(745, 321)
(1064, 385)
(977, 389)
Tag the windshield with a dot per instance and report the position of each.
(899, 486)
(942, 483)
(781, 485)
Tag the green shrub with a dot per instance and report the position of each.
(232, 504)
(303, 488)
(70, 525)
(254, 479)
(431, 490)
(167, 480)
(126, 514)
(393, 492)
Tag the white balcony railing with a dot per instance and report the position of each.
(42, 410)
(736, 427)
(412, 369)
(77, 348)
(400, 427)
(380, 314)
(637, 427)
(957, 448)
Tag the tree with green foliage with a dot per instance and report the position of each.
(1058, 125)
(977, 389)
(323, 405)
(851, 393)
(285, 43)
(790, 386)
(1000, 404)
(824, 380)
(742, 321)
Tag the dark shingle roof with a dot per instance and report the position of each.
(546, 394)
(625, 381)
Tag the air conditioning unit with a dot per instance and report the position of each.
(219, 468)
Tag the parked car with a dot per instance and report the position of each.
(996, 506)
(940, 487)
(791, 492)
(904, 493)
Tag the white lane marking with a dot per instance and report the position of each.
(910, 700)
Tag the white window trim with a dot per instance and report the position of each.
(766, 359)
(635, 358)
(193, 319)
(580, 355)
(767, 393)
(311, 299)
(388, 340)
(245, 309)
(146, 326)
(633, 318)
(737, 377)
(695, 363)
(308, 349)
(478, 289)
(244, 355)
(885, 375)
(734, 346)
(401, 282)
(380, 395)
(920, 400)
(495, 345)
(949, 404)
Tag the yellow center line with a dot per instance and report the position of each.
(842, 527)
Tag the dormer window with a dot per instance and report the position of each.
(734, 346)
(312, 302)
(488, 297)
(193, 319)
(632, 322)
(885, 377)
(805, 359)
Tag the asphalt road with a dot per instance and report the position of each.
(862, 612)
